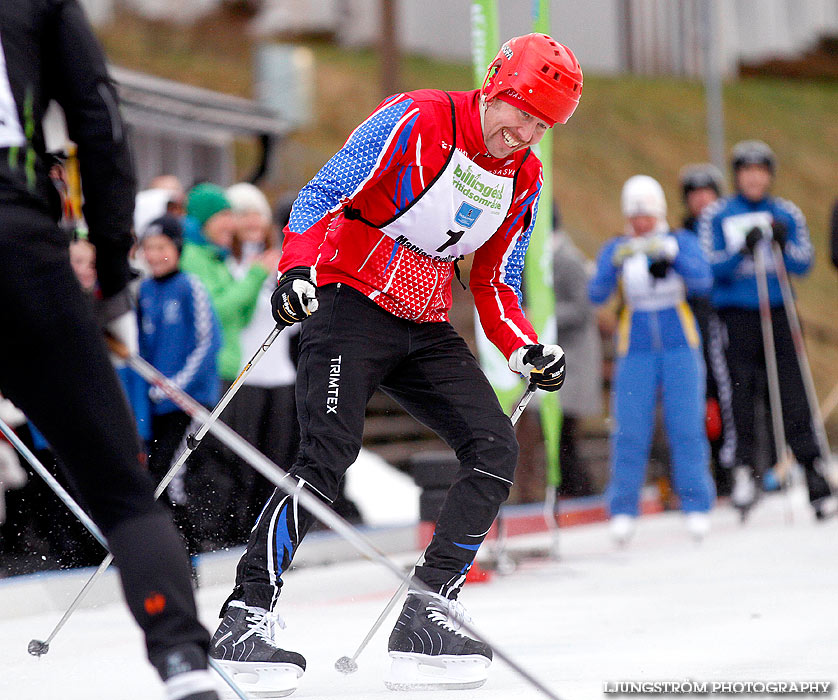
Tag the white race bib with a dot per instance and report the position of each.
(457, 214)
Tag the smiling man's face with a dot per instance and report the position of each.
(507, 129)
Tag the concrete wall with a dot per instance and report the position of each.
(608, 36)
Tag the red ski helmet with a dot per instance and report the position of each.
(537, 74)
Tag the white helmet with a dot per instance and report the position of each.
(643, 196)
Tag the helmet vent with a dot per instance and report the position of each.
(545, 68)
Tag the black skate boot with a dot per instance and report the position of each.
(824, 502)
(184, 672)
(244, 645)
(429, 652)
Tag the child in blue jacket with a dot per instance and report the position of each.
(180, 336)
(659, 352)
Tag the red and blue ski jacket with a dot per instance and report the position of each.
(388, 164)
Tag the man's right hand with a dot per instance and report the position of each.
(295, 298)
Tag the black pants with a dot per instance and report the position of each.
(348, 349)
(267, 418)
(575, 478)
(746, 362)
(714, 341)
(55, 368)
(169, 432)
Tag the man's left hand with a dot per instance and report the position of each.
(544, 365)
(779, 233)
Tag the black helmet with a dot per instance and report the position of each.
(752, 153)
(698, 175)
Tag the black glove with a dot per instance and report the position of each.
(658, 268)
(295, 297)
(753, 237)
(544, 365)
(780, 233)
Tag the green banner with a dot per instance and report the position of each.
(538, 270)
(485, 43)
(538, 276)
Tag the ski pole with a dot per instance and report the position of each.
(829, 403)
(802, 357)
(505, 563)
(311, 503)
(38, 647)
(774, 399)
(551, 496)
(348, 665)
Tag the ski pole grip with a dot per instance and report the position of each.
(116, 346)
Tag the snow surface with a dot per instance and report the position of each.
(753, 602)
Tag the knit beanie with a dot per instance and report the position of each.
(246, 198)
(204, 201)
(166, 225)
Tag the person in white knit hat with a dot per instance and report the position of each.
(659, 352)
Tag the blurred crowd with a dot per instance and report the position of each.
(206, 261)
(705, 331)
(681, 304)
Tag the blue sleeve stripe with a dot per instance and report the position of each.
(349, 168)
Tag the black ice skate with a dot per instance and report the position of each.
(244, 645)
(184, 672)
(429, 652)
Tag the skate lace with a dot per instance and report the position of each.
(263, 624)
(450, 614)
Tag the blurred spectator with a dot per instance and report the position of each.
(576, 330)
(176, 204)
(209, 233)
(658, 351)
(264, 411)
(701, 185)
(731, 231)
(180, 336)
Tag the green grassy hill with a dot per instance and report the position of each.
(624, 125)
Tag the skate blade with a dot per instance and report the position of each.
(422, 672)
(261, 680)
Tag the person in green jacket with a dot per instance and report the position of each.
(209, 228)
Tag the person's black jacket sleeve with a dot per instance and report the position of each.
(75, 62)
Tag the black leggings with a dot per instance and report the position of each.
(55, 368)
(348, 349)
(746, 360)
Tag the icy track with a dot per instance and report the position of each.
(754, 602)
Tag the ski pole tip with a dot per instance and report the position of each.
(38, 648)
(346, 665)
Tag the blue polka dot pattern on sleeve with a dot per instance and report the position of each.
(515, 262)
(348, 168)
